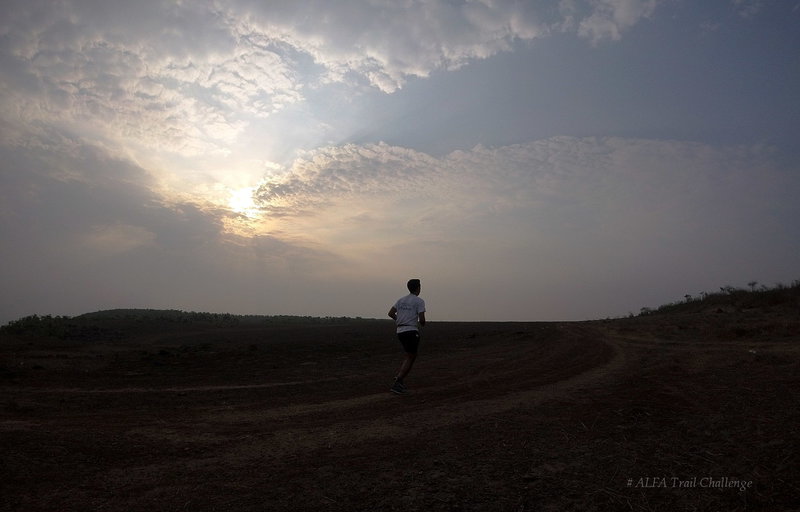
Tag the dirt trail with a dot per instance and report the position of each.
(550, 368)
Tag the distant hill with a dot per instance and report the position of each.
(159, 315)
(119, 323)
(730, 315)
(730, 299)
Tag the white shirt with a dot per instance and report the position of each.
(408, 310)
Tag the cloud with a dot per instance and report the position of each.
(610, 18)
(552, 170)
(189, 78)
(562, 212)
(387, 42)
(747, 8)
(330, 172)
(170, 78)
(557, 228)
(205, 94)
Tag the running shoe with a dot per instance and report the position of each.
(399, 388)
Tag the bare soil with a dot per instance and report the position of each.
(664, 412)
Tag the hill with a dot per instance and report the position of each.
(128, 323)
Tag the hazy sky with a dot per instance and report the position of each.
(528, 160)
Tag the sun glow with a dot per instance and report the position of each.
(241, 201)
(247, 219)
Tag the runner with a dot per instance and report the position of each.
(408, 314)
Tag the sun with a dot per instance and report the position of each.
(246, 219)
(241, 201)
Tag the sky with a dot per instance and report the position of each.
(527, 160)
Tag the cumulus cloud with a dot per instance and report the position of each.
(600, 212)
(327, 173)
(551, 169)
(190, 77)
(386, 42)
(169, 77)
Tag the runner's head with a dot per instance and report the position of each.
(414, 286)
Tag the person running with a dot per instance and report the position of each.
(408, 314)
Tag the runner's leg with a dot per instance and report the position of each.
(405, 367)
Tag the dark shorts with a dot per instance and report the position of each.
(409, 340)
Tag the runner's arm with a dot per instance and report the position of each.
(393, 313)
(422, 319)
